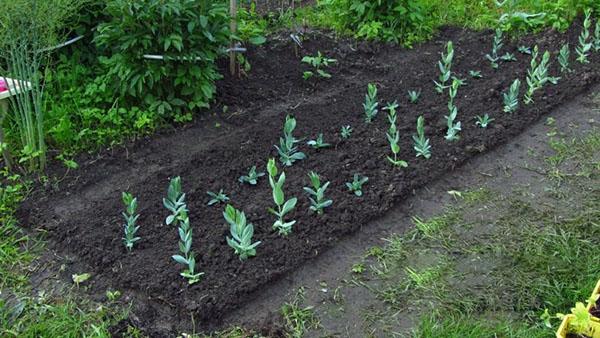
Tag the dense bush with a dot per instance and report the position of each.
(190, 34)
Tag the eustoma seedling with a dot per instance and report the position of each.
(422, 146)
(252, 177)
(318, 63)
(511, 99)
(219, 197)
(241, 233)
(453, 127)
(346, 132)
(288, 152)
(370, 105)
(356, 185)
(585, 45)
(283, 206)
(484, 121)
(186, 256)
(131, 218)
(537, 74)
(597, 36)
(317, 194)
(318, 143)
(393, 136)
(445, 65)
(414, 95)
(563, 58)
(497, 45)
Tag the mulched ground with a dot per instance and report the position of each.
(81, 212)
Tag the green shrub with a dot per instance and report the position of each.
(190, 34)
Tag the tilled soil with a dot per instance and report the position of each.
(82, 211)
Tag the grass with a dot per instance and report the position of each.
(297, 318)
(491, 263)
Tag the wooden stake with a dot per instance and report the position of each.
(233, 28)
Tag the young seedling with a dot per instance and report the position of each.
(283, 207)
(356, 185)
(453, 128)
(585, 45)
(476, 74)
(484, 121)
(511, 98)
(219, 197)
(241, 233)
(393, 136)
(131, 218)
(563, 58)
(421, 146)
(371, 103)
(597, 36)
(414, 96)
(318, 62)
(252, 177)
(582, 324)
(175, 201)
(496, 46)
(288, 152)
(508, 57)
(445, 66)
(524, 50)
(318, 143)
(317, 194)
(537, 75)
(346, 132)
(452, 92)
(186, 256)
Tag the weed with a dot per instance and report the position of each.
(298, 319)
(318, 62)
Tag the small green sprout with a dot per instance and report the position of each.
(356, 185)
(113, 295)
(483, 121)
(511, 98)
(445, 66)
(524, 50)
(393, 136)
(496, 46)
(317, 194)
(537, 74)
(288, 152)
(452, 92)
(414, 95)
(597, 36)
(582, 322)
(318, 62)
(80, 278)
(371, 103)
(219, 197)
(453, 128)
(241, 233)
(175, 201)
(421, 146)
(283, 207)
(476, 74)
(585, 45)
(563, 58)
(508, 57)
(187, 256)
(318, 143)
(130, 227)
(346, 132)
(252, 177)
(358, 268)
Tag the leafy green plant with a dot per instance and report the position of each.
(585, 45)
(252, 177)
(318, 62)
(189, 35)
(414, 95)
(597, 36)
(496, 46)
(283, 207)
(445, 66)
(393, 135)
(288, 152)
(346, 132)
(483, 121)
(219, 197)
(581, 322)
(453, 127)
(563, 58)
(508, 57)
(511, 98)
(524, 50)
(241, 233)
(318, 143)
(452, 92)
(371, 103)
(175, 202)
(537, 74)
(317, 194)
(356, 185)
(130, 227)
(421, 146)
(476, 74)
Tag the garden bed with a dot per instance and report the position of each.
(82, 212)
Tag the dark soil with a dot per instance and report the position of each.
(595, 311)
(82, 212)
